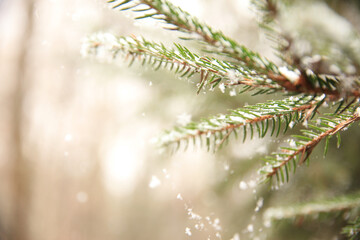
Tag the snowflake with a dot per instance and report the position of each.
(155, 182)
(183, 119)
(188, 231)
(290, 75)
(222, 87)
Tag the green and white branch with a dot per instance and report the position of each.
(352, 231)
(181, 60)
(325, 74)
(325, 206)
(252, 71)
(180, 20)
(280, 164)
(260, 119)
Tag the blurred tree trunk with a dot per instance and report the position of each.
(20, 173)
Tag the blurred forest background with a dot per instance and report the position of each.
(76, 158)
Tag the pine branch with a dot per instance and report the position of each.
(289, 78)
(317, 85)
(258, 118)
(180, 20)
(317, 71)
(268, 11)
(326, 206)
(279, 164)
(352, 231)
(211, 71)
(181, 60)
(344, 55)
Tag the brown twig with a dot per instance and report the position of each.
(309, 146)
(234, 126)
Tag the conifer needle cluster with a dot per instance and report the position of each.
(321, 93)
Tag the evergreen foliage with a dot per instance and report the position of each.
(322, 88)
(342, 203)
(353, 229)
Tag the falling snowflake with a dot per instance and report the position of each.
(68, 137)
(188, 231)
(252, 183)
(243, 185)
(183, 119)
(250, 228)
(155, 182)
(179, 197)
(222, 87)
(232, 92)
(259, 204)
(193, 215)
(235, 237)
(216, 224)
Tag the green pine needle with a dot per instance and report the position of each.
(342, 203)
(250, 118)
(178, 59)
(303, 145)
